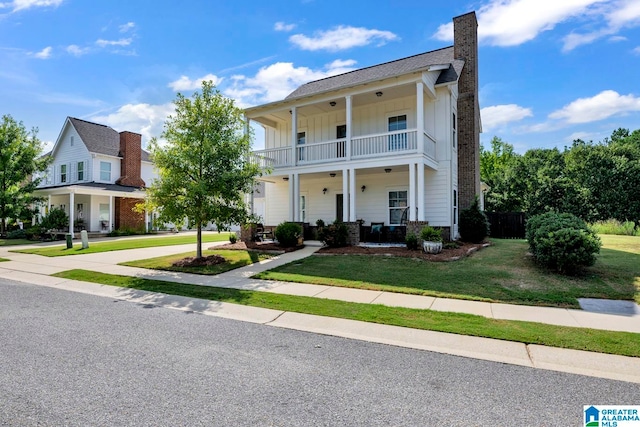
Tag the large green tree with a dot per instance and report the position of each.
(21, 167)
(497, 168)
(204, 166)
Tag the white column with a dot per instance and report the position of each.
(348, 143)
(294, 135)
(49, 205)
(296, 197)
(345, 195)
(146, 220)
(420, 116)
(292, 204)
(72, 202)
(421, 207)
(412, 191)
(352, 195)
(111, 213)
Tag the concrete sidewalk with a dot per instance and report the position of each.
(36, 270)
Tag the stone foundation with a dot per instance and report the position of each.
(354, 233)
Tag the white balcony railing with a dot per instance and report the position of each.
(367, 146)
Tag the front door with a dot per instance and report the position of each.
(339, 207)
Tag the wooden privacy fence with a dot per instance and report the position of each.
(507, 225)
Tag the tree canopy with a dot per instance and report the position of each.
(594, 181)
(21, 164)
(204, 167)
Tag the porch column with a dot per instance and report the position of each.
(421, 207)
(146, 220)
(352, 195)
(49, 205)
(72, 202)
(294, 135)
(345, 195)
(348, 142)
(111, 213)
(296, 197)
(412, 191)
(292, 203)
(420, 116)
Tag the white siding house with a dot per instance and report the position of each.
(377, 145)
(97, 175)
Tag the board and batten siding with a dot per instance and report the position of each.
(69, 155)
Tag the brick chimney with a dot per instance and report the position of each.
(130, 165)
(465, 46)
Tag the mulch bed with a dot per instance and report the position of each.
(464, 250)
(200, 262)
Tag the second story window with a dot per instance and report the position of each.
(397, 141)
(105, 171)
(454, 136)
(80, 171)
(71, 141)
(63, 173)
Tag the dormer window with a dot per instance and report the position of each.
(71, 141)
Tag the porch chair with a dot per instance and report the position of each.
(376, 229)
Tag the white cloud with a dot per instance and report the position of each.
(601, 106)
(341, 38)
(185, 83)
(276, 81)
(146, 119)
(121, 42)
(44, 53)
(127, 27)
(281, 26)
(76, 50)
(514, 22)
(615, 39)
(17, 5)
(636, 50)
(498, 115)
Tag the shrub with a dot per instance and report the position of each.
(430, 234)
(474, 226)
(287, 234)
(412, 241)
(451, 245)
(35, 233)
(17, 234)
(562, 242)
(335, 235)
(233, 238)
(613, 226)
(57, 219)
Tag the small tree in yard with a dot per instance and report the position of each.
(204, 168)
(20, 163)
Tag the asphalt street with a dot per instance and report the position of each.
(81, 360)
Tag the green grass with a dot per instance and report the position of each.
(4, 259)
(623, 343)
(15, 242)
(235, 259)
(500, 273)
(122, 244)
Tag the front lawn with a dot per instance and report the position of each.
(16, 242)
(234, 259)
(122, 244)
(623, 343)
(502, 272)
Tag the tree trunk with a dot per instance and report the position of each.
(199, 240)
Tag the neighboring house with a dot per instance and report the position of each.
(97, 176)
(395, 143)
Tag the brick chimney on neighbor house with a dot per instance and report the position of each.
(130, 165)
(465, 46)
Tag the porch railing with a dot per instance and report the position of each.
(367, 146)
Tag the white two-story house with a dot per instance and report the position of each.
(394, 144)
(97, 176)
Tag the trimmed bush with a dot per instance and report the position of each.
(233, 238)
(56, 220)
(412, 241)
(562, 242)
(430, 234)
(287, 234)
(35, 233)
(334, 235)
(474, 226)
(17, 234)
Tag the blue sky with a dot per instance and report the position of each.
(550, 71)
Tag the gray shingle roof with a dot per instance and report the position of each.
(388, 69)
(100, 139)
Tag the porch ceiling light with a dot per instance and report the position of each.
(324, 190)
(387, 170)
(332, 174)
(332, 103)
(378, 94)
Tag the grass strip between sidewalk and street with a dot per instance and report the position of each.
(621, 343)
(123, 244)
(3, 259)
(15, 242)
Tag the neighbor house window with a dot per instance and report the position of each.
(105, 171)
(397, 141)
(63, 173)
(80, 171)
(303, 208)
(455, 207)
(341, 133)
(397, 206)
(454, 136)
(300, 140)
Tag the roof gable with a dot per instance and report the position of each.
(100, 139)
(398, 67)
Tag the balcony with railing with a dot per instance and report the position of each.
(362, 147)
